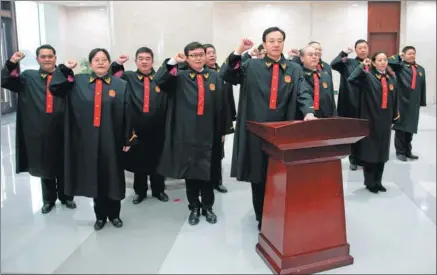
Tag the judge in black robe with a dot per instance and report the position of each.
(319, 83)
(411, 90)
(211, 58)
(196, 123)
(147, 115)
(96, 129)
(322, 65)
(379, 106)
(348, 104)
(39, 125)
(263, 100)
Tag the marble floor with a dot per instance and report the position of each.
(393, 232)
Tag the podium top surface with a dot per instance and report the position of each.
(313, 133)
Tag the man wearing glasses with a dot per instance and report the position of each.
(197, 120)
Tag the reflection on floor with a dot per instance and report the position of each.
(392, 233)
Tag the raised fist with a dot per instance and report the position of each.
(180, 58)
(245, 45)
(17, 57)
(348, 50)
(122, 59)
(367, 62)
(254, 52)
(293, 52)
(71, 64)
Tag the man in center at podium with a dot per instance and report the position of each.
(319, 83)
(271, 89)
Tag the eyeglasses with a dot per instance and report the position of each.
(197, 55)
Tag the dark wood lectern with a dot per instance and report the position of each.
(303, 226)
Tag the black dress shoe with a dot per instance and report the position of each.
(69, 204)
(161, 196)
(221, 189)
(138, 198)
(210, 216)
(411, 156)
(402, 158)
(117, 222)
(373, 189)
(99, 225)
(381, 188)
(47, 207)
(194, 217)
(353, 167)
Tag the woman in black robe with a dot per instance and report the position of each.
(378, 104)
(96, 131)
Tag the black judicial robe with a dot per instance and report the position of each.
(147, 115)
(322, 66)
(249, 163)
(376, 146)
(326, 99)
(348, 104)
(196, 120)
(411, 97)
(93, 142)
(228, 89)
(39, 125)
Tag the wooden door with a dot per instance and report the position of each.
(383, 42)
(383, 26)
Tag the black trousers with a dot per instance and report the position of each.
(206, 191)
(157, 183)
(373, 173)
(352, 157)
(403, 142)
(258, 192)
(53, 189)
(105, 208)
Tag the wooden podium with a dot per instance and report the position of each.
(303, 225)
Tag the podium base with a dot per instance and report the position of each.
(308, 263)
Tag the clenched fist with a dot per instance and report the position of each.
(245, 45)
(180, 58)
(293, 52)
(122, 59)
(71, 64)
(17, 57)
(367, 62)
(348, 50)
(254, 52)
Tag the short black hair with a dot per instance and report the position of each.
(272, 29)
(95, 51)
(359, 41)
(260, 47)
(45, 46)
(206, 46)
(193, 46)
(407, 48)
(144, 50)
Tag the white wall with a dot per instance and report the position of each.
(87, 29)
(418, 28)
(74, 31)
(28, 32)
(54, 27)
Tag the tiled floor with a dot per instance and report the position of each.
(392, 233)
